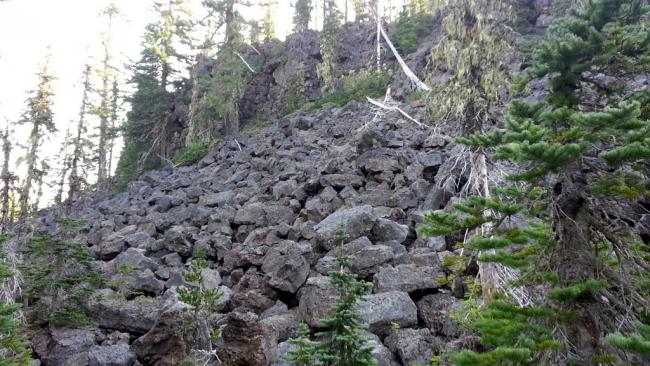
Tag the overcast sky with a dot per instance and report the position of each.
(72, 30)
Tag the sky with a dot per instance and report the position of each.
(71, 30)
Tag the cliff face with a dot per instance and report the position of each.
(265, 210)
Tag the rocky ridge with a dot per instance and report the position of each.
(266, 216)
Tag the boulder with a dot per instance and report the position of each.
(179, 239)
(174, 334)
(379, 311)
(132, 257)
(435, 312)
(414, 345)
(247, 341)
(388, 230)
(355, 222)
(147, 282)
(111, 355)
(379, 160)
(407, 278)
(317, 299)
(218, 199)
(252, 214)
(134, 316)
(286, 266)
(64, 346)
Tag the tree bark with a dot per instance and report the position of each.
(7, 179)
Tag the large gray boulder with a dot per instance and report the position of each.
(175, 333)
(379, 311)
(111, 355)
(134, 316)
(355, 222)
(317, 299)
(286, 266)
(435, 312)
(217, 199)
(388, 230)
(247, 341)
(64, 346)
(414, 345)
(407, 278)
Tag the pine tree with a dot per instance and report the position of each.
(41, 118)
(302, 15)
(58, 276)
(341, 343)
(205, 302)
(113, 127)
(14, 350)
(474, 52)
(269, 27)
(329, 44)
(81, 144)
(218, 106)
(104, 109)
(8, 180)
(586, 150)
(150, 132)
(63, 157)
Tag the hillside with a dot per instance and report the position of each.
(502, 233)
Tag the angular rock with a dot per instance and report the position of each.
(407, 278)
(147, 282)
(113, 355)
(174, 334)
(251, 215)
(379, 160)
(247, 341)
(218, 199)
(134, 316)
(380, 310)
(388, 230)
(414, 345)
(286, 266)
(317, 299)
(436, 310)
(355, 221)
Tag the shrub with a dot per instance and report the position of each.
(58, 276)
(192, 154)
(408, 29)
(129, 165)
(356, 86)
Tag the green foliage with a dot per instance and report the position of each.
(192, 154)
(122, 282)
(295, 98)
(575, 291)
(329, 45)
(513, 333)
(130, 164)
(341, 343)
(475, 50)
(14, 350)
(356, 87)
(204, 301)
(408, 29)
(553, 144)
(58, 276)
(639, 343)
(301, 18)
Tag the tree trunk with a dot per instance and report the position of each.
(7, 178)
(34, 138)
(575, 261)
(103, 118)
(74, 186)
